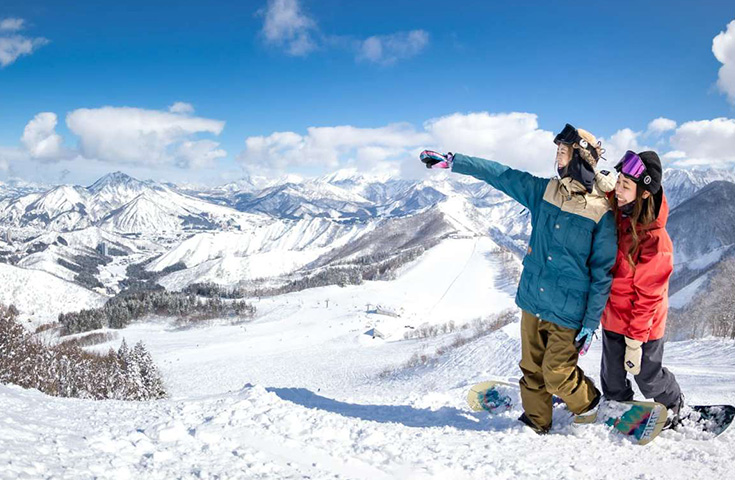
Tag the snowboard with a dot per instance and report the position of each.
(714, 419)
(640, 421)
(493, 396)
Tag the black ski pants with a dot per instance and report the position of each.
(655, 381)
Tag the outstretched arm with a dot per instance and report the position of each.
(522, 187)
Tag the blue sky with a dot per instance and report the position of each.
(608, 66)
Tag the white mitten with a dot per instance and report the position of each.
(633, 355)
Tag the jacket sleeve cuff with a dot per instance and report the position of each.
(590, 323)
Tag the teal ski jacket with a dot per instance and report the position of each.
(566, 275)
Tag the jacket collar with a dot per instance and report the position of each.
(569, 187)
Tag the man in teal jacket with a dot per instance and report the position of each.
(566, 275)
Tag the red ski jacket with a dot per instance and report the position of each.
(639, 298)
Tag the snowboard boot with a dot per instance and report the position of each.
(541, 431)
(589, 415)
(673, 418)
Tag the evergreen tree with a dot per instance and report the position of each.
(151, 378)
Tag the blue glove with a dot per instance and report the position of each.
(584, 340)
(434, 159)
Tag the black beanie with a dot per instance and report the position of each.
(651, 179)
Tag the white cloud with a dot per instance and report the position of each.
(11, 24)
(84, 171)
(181, 107)
(512, 138)
(723, 47)
(388, 49)
(198, 154)
(660, 125)
(40, 137)
(701, 143)
(287, 26)
(13, 157)
(332, 147)
(619, 142)
(705, 142)
(13, 45)
(138, 136)
(673, 156)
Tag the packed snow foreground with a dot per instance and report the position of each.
(303, 392)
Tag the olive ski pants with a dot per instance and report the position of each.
(549, 366)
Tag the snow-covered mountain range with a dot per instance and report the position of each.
(119, 203)
(258, 228)
(681, 185)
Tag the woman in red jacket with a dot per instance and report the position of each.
(634, 318)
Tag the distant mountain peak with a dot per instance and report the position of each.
(114, 179)
(351, 175)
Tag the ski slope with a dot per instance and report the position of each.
(298, 393)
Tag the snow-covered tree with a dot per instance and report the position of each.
(67, 370)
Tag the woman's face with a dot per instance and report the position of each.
(626, 190)
(563, 154)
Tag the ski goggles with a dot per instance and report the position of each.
(568, 136)
(631, 166)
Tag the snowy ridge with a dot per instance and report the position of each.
(680, 184)
(702, 240)
(40, 296)
(92, 236)
(280, 236)
(117, 202)
(15, 187)
(163, 210)
(114, 190)
(120, 202)
(53, 252)
(233, 258)
(307, 199)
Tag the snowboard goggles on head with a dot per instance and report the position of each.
(631, 166)
(568, 136)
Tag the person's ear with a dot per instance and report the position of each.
(646, 194)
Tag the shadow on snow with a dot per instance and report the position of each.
(401, 414)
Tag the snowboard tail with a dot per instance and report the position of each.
(714, 419)
(641, 421)
(490, 396)
(496, 396)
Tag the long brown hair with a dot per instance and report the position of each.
(644, 212)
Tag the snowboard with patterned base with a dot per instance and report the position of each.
(711, 418)
(640, 421)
